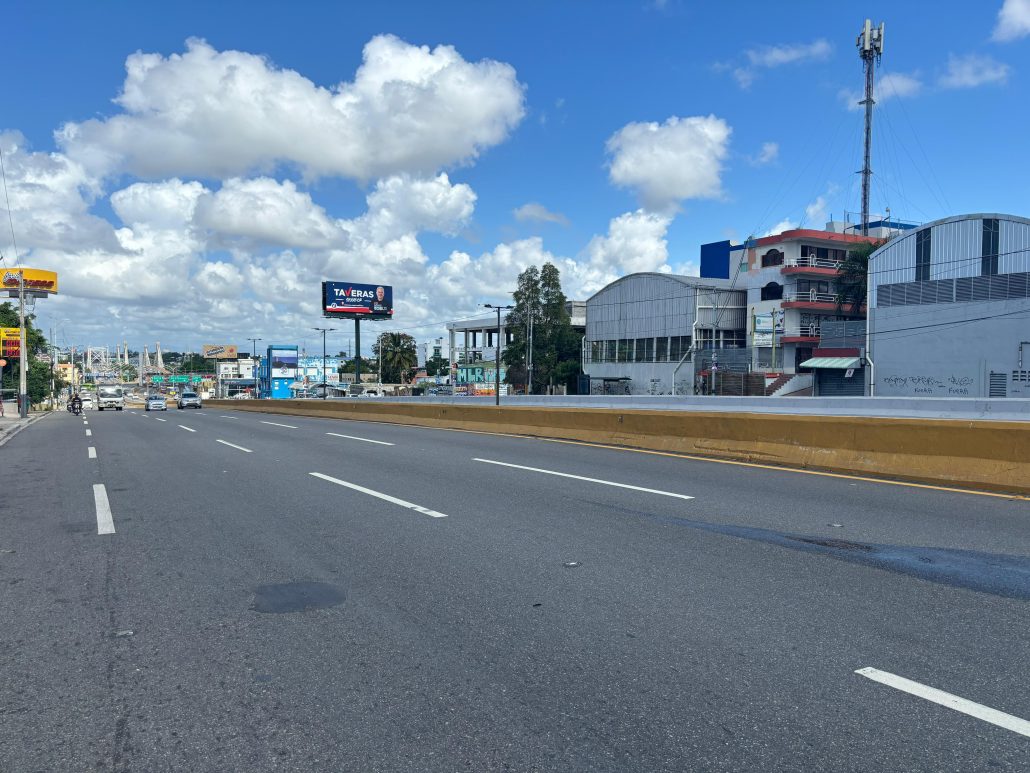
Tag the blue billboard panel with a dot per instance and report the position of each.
(357, 300)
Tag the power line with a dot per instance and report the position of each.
(10, 218)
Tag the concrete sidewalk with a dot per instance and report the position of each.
(11, 424)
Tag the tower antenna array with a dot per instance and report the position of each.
(870, 49)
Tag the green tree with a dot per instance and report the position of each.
(437, 366)
(520, 320)
(398, 354)
(851, 283)
(37, 377)
(541, 307)
(561, 355)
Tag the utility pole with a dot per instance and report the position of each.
(253, 367)
(870, 49)
(497, 352)
(325, 384)
(53, 390)
(23, 391)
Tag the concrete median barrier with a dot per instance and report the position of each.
(986, 455)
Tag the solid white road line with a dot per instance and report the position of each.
(89, 433)
(105, 521)
(91, 453)
(160, 419)
(233, 445)
(589, 480)
(230, 417)
(986, 713)
(275, 424)
(362, 439)
(380, 495)
(183, 426)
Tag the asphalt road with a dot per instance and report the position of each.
(265, 595)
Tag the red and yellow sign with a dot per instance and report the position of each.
(36, 279)
(10, 341)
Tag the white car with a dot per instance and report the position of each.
(156, 403)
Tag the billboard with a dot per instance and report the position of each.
(36, 280)
(346, 299)
(284, 363)
(219, 352)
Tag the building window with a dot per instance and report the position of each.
(661, 349)
(625, 350)
(678, 346)
(923, 255)
(643, 344)
(772, 258)
(772, 292)
(989, 261)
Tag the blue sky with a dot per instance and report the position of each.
(634, 130)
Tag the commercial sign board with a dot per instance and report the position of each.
(10, 341)
(284, 363)
(763, 328)
(36, 280)
(219, 352)
(345, 299)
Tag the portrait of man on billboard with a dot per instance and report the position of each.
(379, 305)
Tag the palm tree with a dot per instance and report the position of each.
(398, 353)
(851, 282)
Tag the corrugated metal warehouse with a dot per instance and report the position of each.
(641, 329)
(949, 310)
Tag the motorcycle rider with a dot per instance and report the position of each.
(76, 404)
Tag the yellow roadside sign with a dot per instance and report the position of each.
(36, 279)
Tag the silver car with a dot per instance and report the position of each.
(156, 403)
(189, 400)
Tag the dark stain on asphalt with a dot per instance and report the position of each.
(995, 573)
(296, 597)
(999, 574)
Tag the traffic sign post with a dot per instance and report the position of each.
(178, 379)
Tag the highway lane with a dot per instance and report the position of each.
(668, 646)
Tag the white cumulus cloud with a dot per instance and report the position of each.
(533, 212)
(890, 85)
(971, 70)
(667, 163)
(770, 152)
(1013, 21)
(766, 57)
(209, 113)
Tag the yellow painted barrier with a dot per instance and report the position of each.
(987, 455)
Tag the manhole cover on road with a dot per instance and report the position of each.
(296, 597)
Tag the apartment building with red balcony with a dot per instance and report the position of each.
(789, 279)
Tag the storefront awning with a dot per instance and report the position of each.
(841, 363)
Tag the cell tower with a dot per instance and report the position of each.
(870, 49)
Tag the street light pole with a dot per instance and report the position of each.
(325, 386)
(253, 367)
(497, 352)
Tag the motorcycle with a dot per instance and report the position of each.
(75, 410)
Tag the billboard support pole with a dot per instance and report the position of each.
(357, 352)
